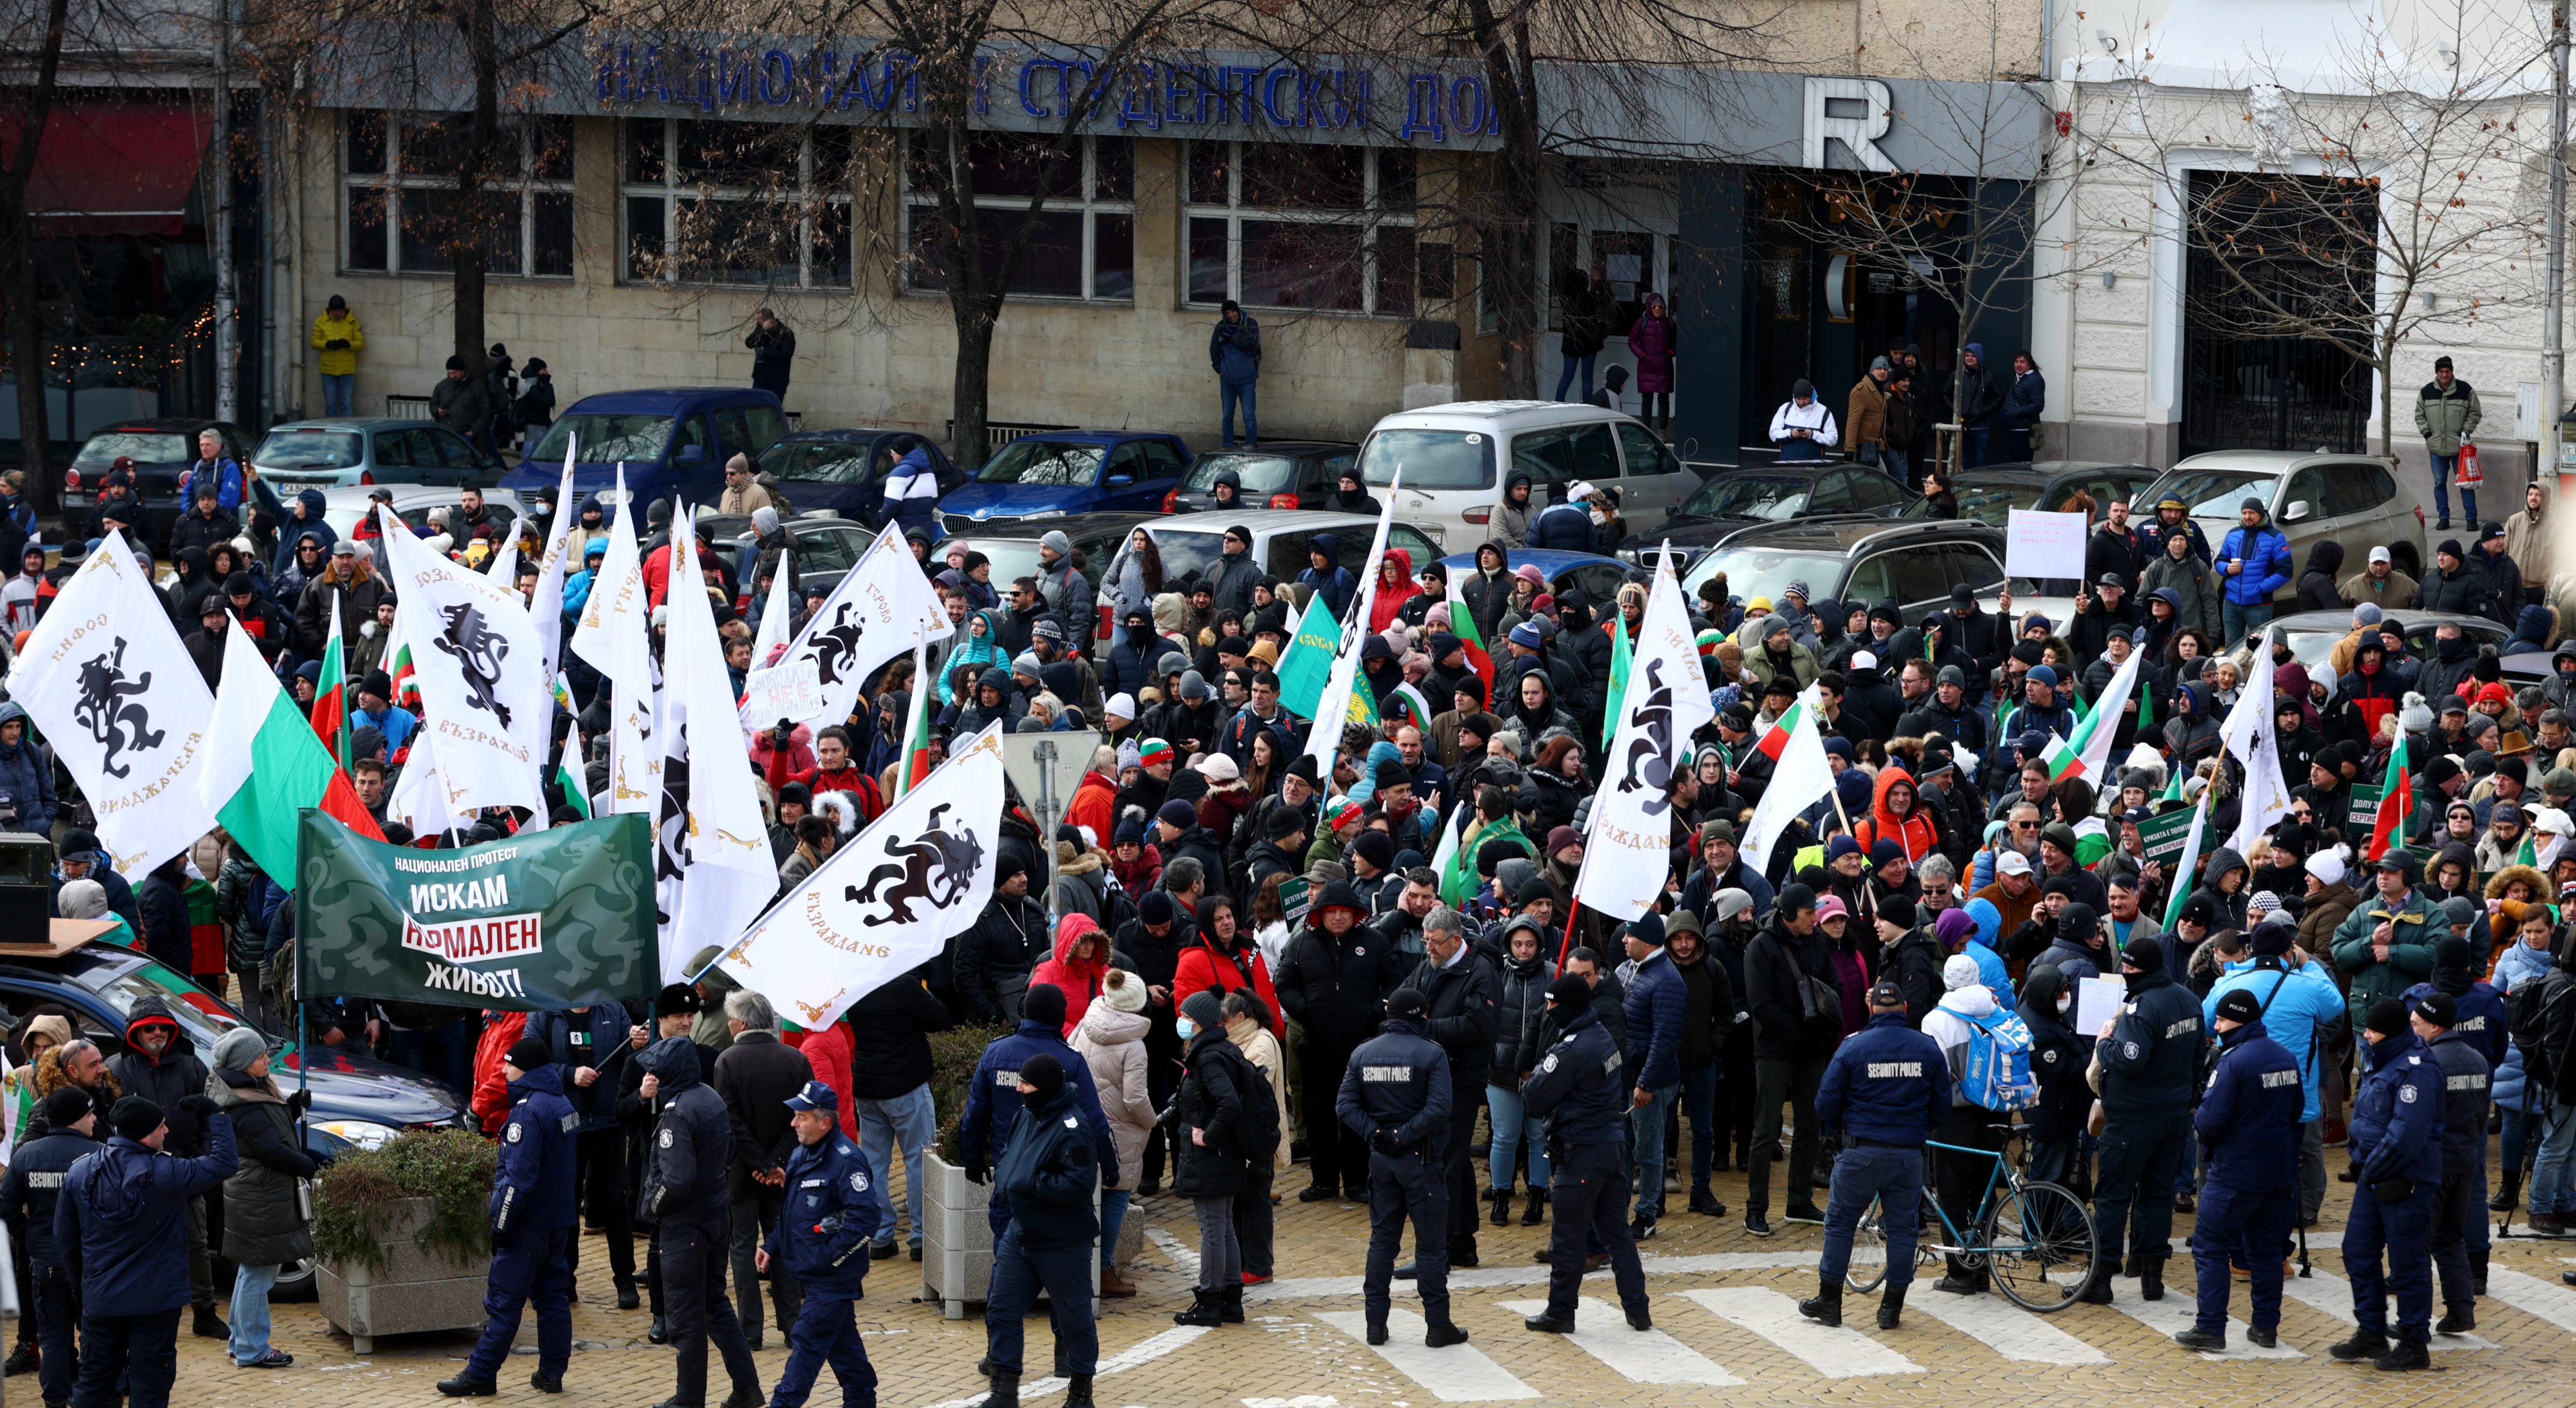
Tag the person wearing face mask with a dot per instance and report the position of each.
(1218, 1124)
(1394, 1097)
(2144, 1061)
(2054, 1127)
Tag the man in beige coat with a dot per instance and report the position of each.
(2527, 541)
(742, 492)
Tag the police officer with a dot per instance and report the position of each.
(2249, 1129)
(826, 1219)
(532, 1221)
(993, 1096)
(2147, 1061)
(2396, 1132)
(1395, 1098)
(675, 1012)
(27, 1198)
(684, 1196)
(1582, 1090)
(591, 1046)
(120, 1225)
(1050, 1170)
(1887, 1088)
(2458, 1208)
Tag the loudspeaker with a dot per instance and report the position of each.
(26, 887)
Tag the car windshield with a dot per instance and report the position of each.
(310, 449)
(141, 446)
(1432, 459)
(1261, 474)
(605, 436)
(1991, 504)
(2213, 493)
(1185, 553)
(1749, 496)
(197, 1012)
(1043, 462)
(1760, 571)
(812, 461)
(1012, 558)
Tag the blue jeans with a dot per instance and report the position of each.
(2551, 1173)
(1972, 445)
(1894, 1177)
(1229, 394)
(1565, 378)
(908, 1120)
(339, 393)
(1699, 1106)
(251, 1285)
(2239, 621)
(2444, 466)
(1646, 1149)
(1515, 1130)
(1113, 1215)
(1898, 468)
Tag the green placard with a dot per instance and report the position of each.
(2165, 836)
(1295, 898)
(2365, 811)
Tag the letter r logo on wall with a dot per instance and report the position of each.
(1853, 111)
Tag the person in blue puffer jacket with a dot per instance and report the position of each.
(532, 1219)
(1326, 574)
(26, 781)
(2253, 563)
(121, 1229)
(1973, 933)
(1658, 1001)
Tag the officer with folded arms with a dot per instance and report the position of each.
(1395, 1098)
(1887, 1088)
(2249, 1128)
(2461, 1202)
(2396, 1135)
(27, 1198)
(532, 1228)
(1584, 1092)
(827, 1218)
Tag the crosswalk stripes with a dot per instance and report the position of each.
(1458, 1374)
(2175, 1314)
(1837, 1352)
(2332, 1295)
(2005, 1328)
(2532, 1296)
(1602, 1331)
(1145, 1351)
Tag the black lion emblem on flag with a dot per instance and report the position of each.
(837, 648)
(935, 860)
(479, 651)
(1650, 759)
(109, 708)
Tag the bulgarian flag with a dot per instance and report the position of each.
(2180, 878)
(2396, 803)
(1462, 624)
(330, 697)
(573, 774)
(270, 767)
(1800, 775)
(916, 730)
(2088, 753)
(398, 668)
(1615, 703)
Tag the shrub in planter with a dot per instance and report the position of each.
(953, 1054)
(401, 1235)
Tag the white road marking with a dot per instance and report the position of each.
(2177, 1313)
(2532, 1296)
(1182, 1257)
(1653, 1357)
(2332, 1295)
(1837, 1352)
(2004, 1327)
(1458, 1374)
(1533, 1274)
(1143, 1352)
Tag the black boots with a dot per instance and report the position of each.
(209, 1325)
(1077, 1391)
(1827, 1306)
(1443, 1335)
(2458, 1320)
(2403, 1355)
(2507, 1193)
(1891, 1307)
(1705, 1203)
(2478, 1272)
(2097, 1286)
(1535, 1214)
(2206, 1343)
(1006, 1391)
(2151, 1279)
(2364, 1344)
(1545, 1323)
(544, 1382)
(466, 1386)
(1501, 1215)
(1207, 1307)
(1960, 1281)
(1230, 1303)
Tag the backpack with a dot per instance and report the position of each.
(1259, 1134)
(1998, 1075)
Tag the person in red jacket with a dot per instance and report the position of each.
(1079, 967)
(491, 1103)
(828, 1050)
(1223, 959)
(1095, 801)
(1896, 813)
(834, 770)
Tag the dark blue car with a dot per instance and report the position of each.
(673, 440)
(1065, 472)
(844, 471)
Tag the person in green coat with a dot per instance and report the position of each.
(2385, 945)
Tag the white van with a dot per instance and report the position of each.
(1456, 458)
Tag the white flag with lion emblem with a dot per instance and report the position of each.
(1628, 851)
(889, 899)
(711, 859)
(882, 609)
(484, 691)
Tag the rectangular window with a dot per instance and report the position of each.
(399, 193)
(706, 202)
(1082, 243)
(1289, 225)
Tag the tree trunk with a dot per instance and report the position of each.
(18, 248)
(971, 307)
(1509, 263)
(472, 222)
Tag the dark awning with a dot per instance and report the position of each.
(110, 167)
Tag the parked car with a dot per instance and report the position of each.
(1096, 539)
(333, 454)
(844, 471)
(1989, 493)
(1065, 472)
(343, 508)
(1912, 562)
(827, 547)
(1189, 543)
(1776, 494)
(1597, 577)
(1282, 474)
(162, 449)
(2311, 636)
(2353, 499)
(1456, 460)
(673, 441)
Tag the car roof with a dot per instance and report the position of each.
(2039, 471)
(2341, 621)
(739, 524)
(1285, 448)
(1549, 561)
(159, 423)
(843, 434)
(1497, 415)
(1270, 521)
(1846, 534)
(352, 423)
(657, 398)
(2248, 461)
(1092, 437)
(345, 495)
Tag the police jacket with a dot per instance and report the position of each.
(1658, 1003)
(2249, 1119)
(2397, 1115)
(2465, 1076)
(1460, 1009)
(993, 1099)
(2151, 1059)
(580, 1039)
(684, 1167)
(1336, 988)
(121, 1224)
(1580, 1087)
(533, 1192)
(2298, 1007)
(1398, 1080)
(828, 1216)
(2483, 1024)
(1051, 1164)
(33, 1185)
(1887, 1084)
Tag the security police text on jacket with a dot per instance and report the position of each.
(1398, 1081)
(692, 1144)
(2249, 1119)
(33, 1186)
(830, 1214)
(1887, 1083)
(592, 1039)
(2465, 1077)
(2150, 1061)
(2483, 1020)
(2397, 1115)
(1580, 1088)
(533, 1191)
(122, 1223)
(993, 1111)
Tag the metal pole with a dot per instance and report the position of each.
(1044, 756)
(227, 338)
(2553, 354)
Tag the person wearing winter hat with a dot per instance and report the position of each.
(32, 1189)
(122, 1219)
(1212, 1124)
(2149, 1056)
(2396, 1134)
(1966, 1006)
(2248, 1125)
(1395, 1098)
(1334, 979)
(1584, 1092)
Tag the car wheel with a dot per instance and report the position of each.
(295, 1281)
(2409, 558)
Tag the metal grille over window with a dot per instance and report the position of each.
(399, 189)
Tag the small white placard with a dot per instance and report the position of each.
(2040, 544)
(2097, 1001)
(790, 691)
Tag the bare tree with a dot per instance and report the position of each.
(33, 50)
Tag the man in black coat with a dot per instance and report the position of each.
(2112, 550)
(994, 959)
(675, 1012)
(27, 1197)
(1334, 978)
(1790, 988)
(685, 1172)
(2100, 612)
(890, 1084)
(1458, 987)
(754, 1077)
(159, 1064)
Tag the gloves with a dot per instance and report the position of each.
(1385, 1141)
(298, 1103)
(198, 1106)
(979, 1173)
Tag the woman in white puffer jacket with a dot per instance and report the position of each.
(1111, 1038)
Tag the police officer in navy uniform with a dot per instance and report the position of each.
(1050, 1170)
(27, 1197)
(1581, 1088)
(2396, 1133)
(826, 1220)
(684, 1197)
(1887, 1088)
(532, 1224)
(2249, 1130)
(2459, 1208)
(2149, 1059)
(587, 1042)
(1395, 1097)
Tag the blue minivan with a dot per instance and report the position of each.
(673, 440)
(1065, 472)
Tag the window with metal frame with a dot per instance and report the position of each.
(399, 195)
(1294, 225)
(1083, 241)
(702, 202)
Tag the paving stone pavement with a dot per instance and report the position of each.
(1299, 1347)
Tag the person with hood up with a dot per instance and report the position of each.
(264, 1224)
(303, 516)
(1394, 586)
(533, 1223)
(1896, 813)
(2319, 589)
(2192, 733)
(161, 1065)
(2253, 563)
(1966, 1005)
(1218, 1126)
(1512, 517)
(1050, 1166)
(1972, 932)
(1077, 968)
(2533, 630)
(2367, 694)
(26, 778)
(2055, 1125)
(1327, 577)
(119, 1226)
(1334, 980)
(1350, 495)
(684, 1193)
(1111, 1041)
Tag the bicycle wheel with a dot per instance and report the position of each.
(2041, 1247)
(1862, 1276)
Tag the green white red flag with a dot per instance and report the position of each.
(2396, 802)
(330, 697)
(271, 766)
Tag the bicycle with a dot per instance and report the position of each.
(2036, 1239)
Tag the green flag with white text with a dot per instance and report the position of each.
(1308, 662)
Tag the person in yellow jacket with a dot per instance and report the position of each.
(337, 336)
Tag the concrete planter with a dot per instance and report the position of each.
(957, 1242)
(415, 1291)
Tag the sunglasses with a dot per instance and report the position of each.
(2025, 826)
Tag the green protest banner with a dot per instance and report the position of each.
(557, 918)
(1295, 899)
(2164, 836)
(2365, 813)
